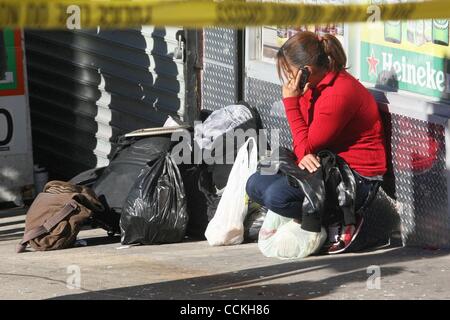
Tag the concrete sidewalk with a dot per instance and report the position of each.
(194, 270)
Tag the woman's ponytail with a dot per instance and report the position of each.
(333, 49)
(307, 48)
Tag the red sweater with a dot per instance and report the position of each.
(339, 115)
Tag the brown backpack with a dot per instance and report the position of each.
(56, 216)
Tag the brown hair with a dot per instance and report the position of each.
(307, 48)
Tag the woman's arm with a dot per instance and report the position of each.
(298, 126)
(292, 98)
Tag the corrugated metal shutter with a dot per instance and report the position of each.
(87, 87)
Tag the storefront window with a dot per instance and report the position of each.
(274, 37)
(264, 42)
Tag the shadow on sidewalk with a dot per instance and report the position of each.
(255, 283)
(12, 229)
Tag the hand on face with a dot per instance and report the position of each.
(291, 87)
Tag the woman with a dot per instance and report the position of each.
(333, 111)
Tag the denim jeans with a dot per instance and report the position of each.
(276, 194)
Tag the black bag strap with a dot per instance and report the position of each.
(47, 226)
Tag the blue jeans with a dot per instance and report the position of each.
(276, 194)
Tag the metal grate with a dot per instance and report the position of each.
(220, 45)
(218, 86)
(220, 68)
(266, 97)
(418, 160)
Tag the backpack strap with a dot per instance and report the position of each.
(47, 226)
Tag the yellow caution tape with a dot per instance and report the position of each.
(45, 14)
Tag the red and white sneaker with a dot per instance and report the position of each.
(342, 236)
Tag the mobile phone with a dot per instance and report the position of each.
(303, 78)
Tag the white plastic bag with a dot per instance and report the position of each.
(227, 226)
(283, 238)
(271, 224)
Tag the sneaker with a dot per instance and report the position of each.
(334, 232)
(342, 236)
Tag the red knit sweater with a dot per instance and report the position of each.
(339, 115)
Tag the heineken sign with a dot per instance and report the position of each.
(411, 71)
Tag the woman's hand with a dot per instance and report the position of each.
(310, 162)
(291, 87)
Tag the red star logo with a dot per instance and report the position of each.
(373, 62)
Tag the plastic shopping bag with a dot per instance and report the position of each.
(283, 238)
(227, 226)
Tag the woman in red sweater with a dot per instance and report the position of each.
(333, 111)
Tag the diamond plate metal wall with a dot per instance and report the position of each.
(220, 45)
(219, 68)
(419, 167)
(266, 97)
(218, 86)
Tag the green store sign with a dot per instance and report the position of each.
(410, 71)
(13, 82)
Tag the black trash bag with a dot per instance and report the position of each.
(130, 156)
(220, 174)
(254, 221)
(195, 179)
(155, 210)
(209, 190)
(88, 178)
